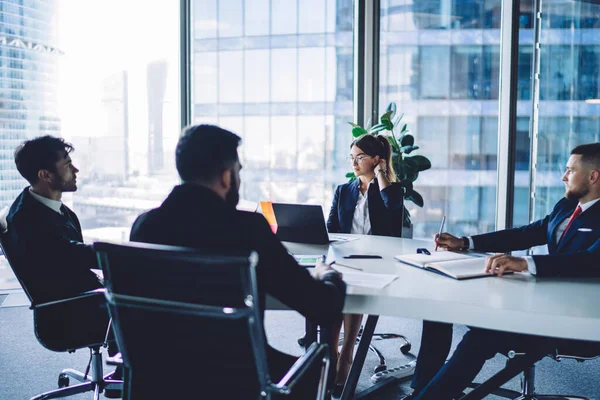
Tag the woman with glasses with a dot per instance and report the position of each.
(372, 204)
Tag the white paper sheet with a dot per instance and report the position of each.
(365, 279)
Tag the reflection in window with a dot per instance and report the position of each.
(205, 78)
(466, 80)
(434, 74)
(230, 18)
(205, 26)
(284, 144)
(256, 17)
(465, 143)
(284, 74)
(284, 17)
(312, 142)
(311, 16)
(433, 136)
(256, 89)
(311, 73)
(230, 76)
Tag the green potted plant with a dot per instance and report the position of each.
(403, 143)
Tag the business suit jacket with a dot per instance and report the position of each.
(385, 208)
(195, 216)
(47, 250)
(576, 255)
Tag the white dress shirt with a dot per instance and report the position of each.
(361, 224)
(557, 234)
(52, 204)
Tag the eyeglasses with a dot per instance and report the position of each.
(358, 159)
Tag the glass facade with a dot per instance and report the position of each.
(279, 74)
(569, 109)
(440, 63)
(113, 93)
(29, 58)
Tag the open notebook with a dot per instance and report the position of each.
(452, 264)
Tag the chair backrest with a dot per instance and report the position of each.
(186, 320)
(63, 326)
(8, 254)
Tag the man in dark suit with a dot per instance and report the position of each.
(202, 213)
(572, 233)
(45, 245)
(44, 235)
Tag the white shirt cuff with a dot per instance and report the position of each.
(471, 245)
(530, 265)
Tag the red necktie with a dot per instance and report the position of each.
(573, 216)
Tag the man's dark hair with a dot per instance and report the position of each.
(590, 154)
(40, 153)
(204, 151)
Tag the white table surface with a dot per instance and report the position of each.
(559, 307)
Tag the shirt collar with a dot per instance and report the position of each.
(53, 204)
(588, 204)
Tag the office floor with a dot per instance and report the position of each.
(27, 369)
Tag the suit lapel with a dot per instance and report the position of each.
(554, 224)
(581, 221)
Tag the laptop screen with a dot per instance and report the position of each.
(302, 223)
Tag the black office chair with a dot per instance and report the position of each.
(200, 313)
(60, 326)
(579, 350)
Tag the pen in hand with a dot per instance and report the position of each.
(440, 232)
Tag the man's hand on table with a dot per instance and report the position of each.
(499, 263)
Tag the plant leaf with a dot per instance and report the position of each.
(354, 125)
(415, 197)
(407, 140)
(358, 131)
(377, 128)
(398, 119)
(403, 129)
(408, 185)
(386, 117)
(408, 149)
(422, 163)
(391, 107)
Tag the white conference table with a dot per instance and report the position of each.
(557, 307)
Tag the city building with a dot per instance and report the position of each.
(29, 59)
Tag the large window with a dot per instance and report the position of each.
(569, 105)
(280, 75)
(440, 62)
(113, 92)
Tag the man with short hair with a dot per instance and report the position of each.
(44, 234)
(572, 233)
(45, 245)
(201, 213)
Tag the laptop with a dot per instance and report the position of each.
(301, 223)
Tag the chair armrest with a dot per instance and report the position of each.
(117, 360)
(84, 295)
(315, 353)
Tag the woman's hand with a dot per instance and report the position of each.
(381, 166)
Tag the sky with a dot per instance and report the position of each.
(101, 38)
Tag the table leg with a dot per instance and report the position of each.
(359, 358)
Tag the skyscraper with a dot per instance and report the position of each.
(156, 80)
(28, 83)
